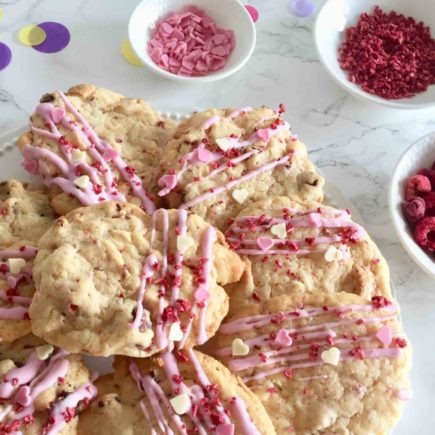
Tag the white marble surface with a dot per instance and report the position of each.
(355, 144)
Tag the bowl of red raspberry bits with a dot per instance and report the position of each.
(412, 202)
(193, 40)
(381, 51)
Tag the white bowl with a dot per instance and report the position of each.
(419, 155)
(228, 14)
(336, 15)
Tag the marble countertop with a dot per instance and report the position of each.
(355, 143)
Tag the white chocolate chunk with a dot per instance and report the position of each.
(78, 155)
(333, 254)
(181, 404)
(175, 332)
(239, 348)
(240, 195)
(43, 352)
(223, 144)
(82, 182)
(279, 230)
(184, 243)
(331, 356)
(16, 264)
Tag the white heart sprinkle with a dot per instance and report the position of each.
(175, 332)
(82, 181)
(239, 348)
(223, 144)
(279, 230)
(240, 195)
(331, 356)
(333, 254)
(184, 243)
(43, 352)
(16, 264)
(181, 403)
(78, 156)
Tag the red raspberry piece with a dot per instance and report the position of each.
(414, 210)
(416, 185)
(425, 233)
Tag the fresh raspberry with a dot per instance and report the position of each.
(429, 200)
(431, 177)
(414, 210)
(423, 171)
(416, 185)
(425, 233)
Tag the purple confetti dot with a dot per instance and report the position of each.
(5, 55)
(301, 8)
(57, 39)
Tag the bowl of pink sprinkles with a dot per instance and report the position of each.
(193, 40)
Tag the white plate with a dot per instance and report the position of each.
(419, 155)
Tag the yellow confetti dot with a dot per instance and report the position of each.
(1, 15)
(129, 54)
(31, 35)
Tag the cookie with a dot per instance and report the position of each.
(42, 389)
(184, 393)
(219, 161)
(112, 279)
(303, 247)
(94, 145)
(321, 364)
(25, 212)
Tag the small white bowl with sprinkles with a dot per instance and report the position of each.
(192, 40)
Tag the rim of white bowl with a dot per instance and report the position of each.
(395, 216)
(354, 89)
(210, 77)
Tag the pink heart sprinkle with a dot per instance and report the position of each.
(23, 396)
(57, 114)
(31, 166)
(11, 281)
(202, 295)
(169, 181)
(283, 338)
(263, 134)
(204, 155)
(385, 335)
(264, 243)
(109, 154)
(315, 220)
(225, 429)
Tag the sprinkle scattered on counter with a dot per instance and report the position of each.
(190, 43)
(5, 55)
(389, 55)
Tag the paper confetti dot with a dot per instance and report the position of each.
(5, 55)
(58, 37)
(301, 8)
(129, 54)
(1, 15)
(253, 12)
(31, 35)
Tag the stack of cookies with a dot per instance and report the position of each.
(202, 257)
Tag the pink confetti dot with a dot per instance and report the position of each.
(253, 12)
(5, 56)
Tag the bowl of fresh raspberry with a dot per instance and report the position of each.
(412, 202)
(380, 51)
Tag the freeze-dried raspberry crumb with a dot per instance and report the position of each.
(414, 210)
(389, 55)
(425, 233)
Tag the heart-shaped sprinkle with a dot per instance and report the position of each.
(181, 403)
(78, 155)
(43, 352)
(204, 155)
(265, 243)
(223, 143)
(385, 335)
(82, 182)
(110, 154)
(23, 397)
(175, 332)
(57, 114)
(224, 429)
(11, 281)
(31, 166)
(331, 356)
(184, 243)
(263, 134)
(333, 254)
(283, 338)
(240, 195)
(315, 220)
(202, 295)
(16, 264)
(279, 230)
(239, 348)
(169, 181)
